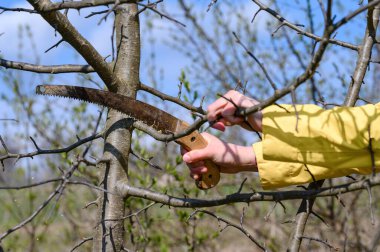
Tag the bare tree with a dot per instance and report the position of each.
(125, 190)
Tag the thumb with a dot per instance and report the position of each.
(195, 156)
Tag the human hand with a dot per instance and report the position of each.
(221, 113)
(229, 157)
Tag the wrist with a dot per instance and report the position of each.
(247, 159)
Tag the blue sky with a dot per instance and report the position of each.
(169, 60)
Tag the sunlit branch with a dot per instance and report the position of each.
(55, 69)
(124, 189)
(173, 99)
(296, 28)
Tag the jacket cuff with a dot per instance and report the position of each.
(276, 174)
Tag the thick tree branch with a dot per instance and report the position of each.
(68, 32)
(126, 190)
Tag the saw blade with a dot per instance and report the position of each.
(150, 115)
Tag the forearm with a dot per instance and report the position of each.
(245, 159)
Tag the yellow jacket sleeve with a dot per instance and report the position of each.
(313, 143)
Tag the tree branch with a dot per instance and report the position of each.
(58, 190)
(296, 28)
(69, 34)
(56, 69)
(40, 151)
(230, 224)
(126, 190)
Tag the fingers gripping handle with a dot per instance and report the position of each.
(195, 141)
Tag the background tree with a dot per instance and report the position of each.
(76, 177)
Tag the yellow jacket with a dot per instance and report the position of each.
(320, 144)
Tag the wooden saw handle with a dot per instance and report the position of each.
(195, 141)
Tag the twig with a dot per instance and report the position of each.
(58, 190)
(173, 99)
(212, 2)
(146, 160)
(371, 152)
(9, 119)
(109, 11)
(266, 217)
(96, 13)
(230, 224)
(55, 45)
(294, 101)
(257, 61)
(30, 185)
(371, 204)
(40, 151)
(5, 9)
(320, 241)
(132, 214)
(83, 241)
(162, 15)
(299, 30)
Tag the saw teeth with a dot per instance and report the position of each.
(41, 89)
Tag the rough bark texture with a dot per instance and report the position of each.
(362, 63)
(109, 235)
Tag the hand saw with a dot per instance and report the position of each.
(150, 115)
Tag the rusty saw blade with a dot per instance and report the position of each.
(150, 115)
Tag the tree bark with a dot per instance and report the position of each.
(109, 235)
